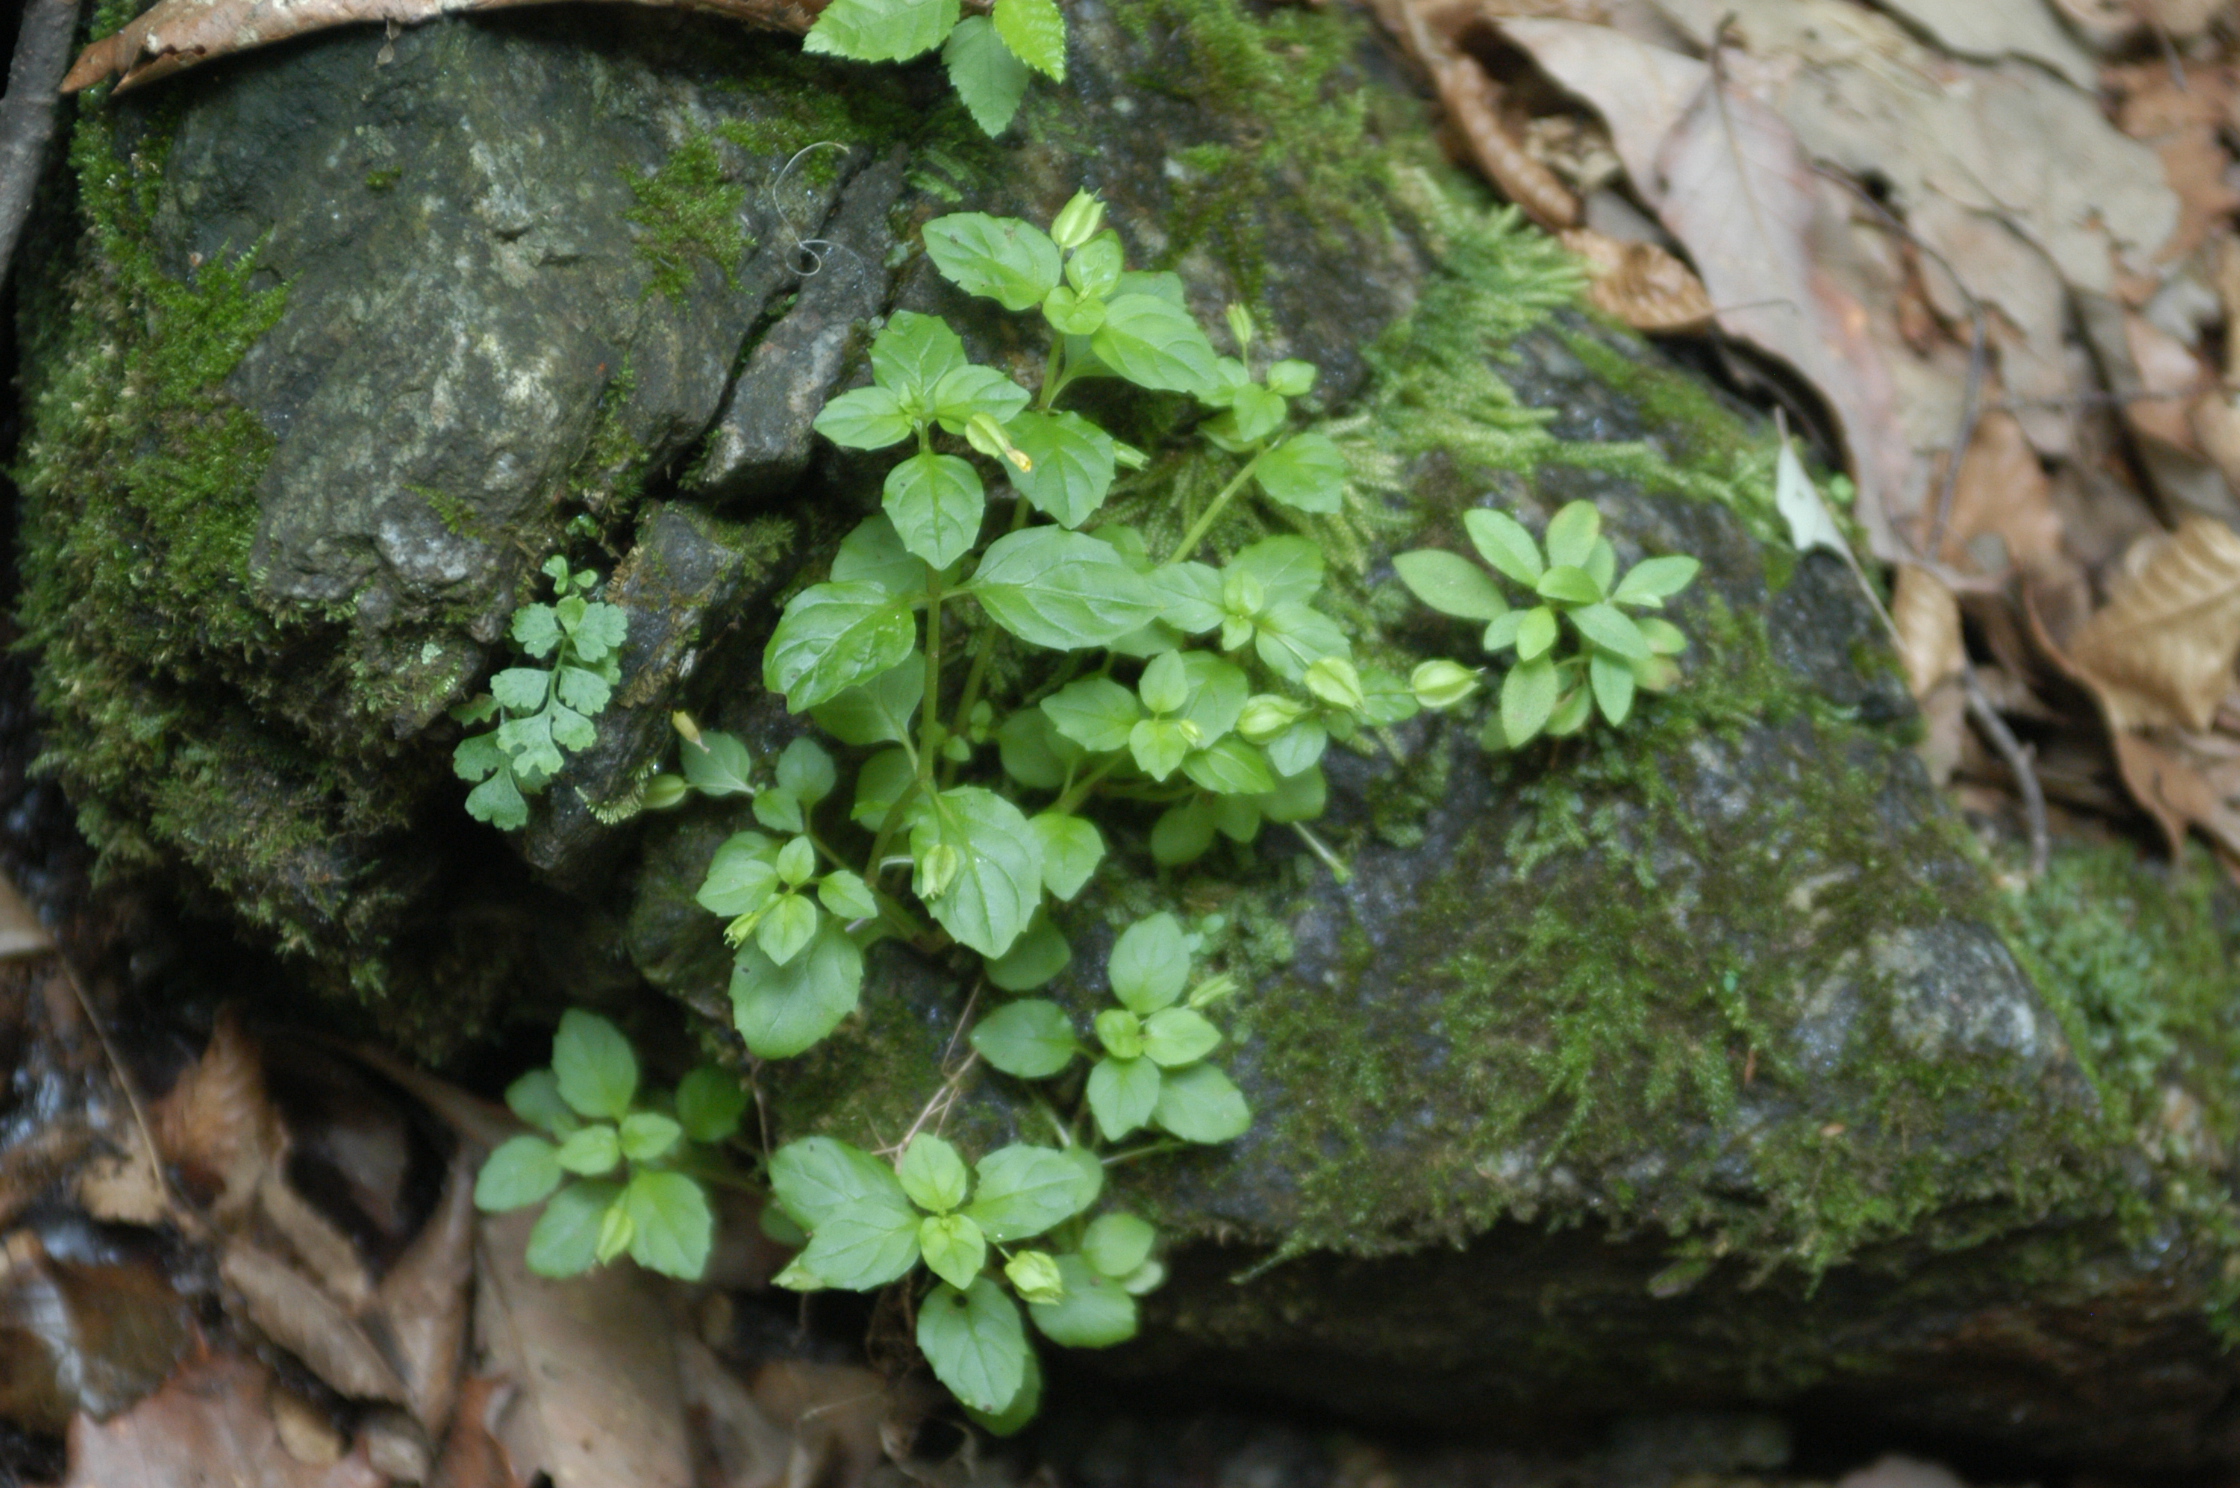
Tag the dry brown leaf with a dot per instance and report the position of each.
(2215, 421)
(1739, 196)
(472, 1457)
(178, 34)
(738, 1444)
(2161, 651)
(2002, 492)
(2181, 125)
(1641, 92)
(91, 1329)
(838, 1415)
(307, 1322)
(1928, 622)
(1640, 284)
(2171, 375)
(421, 1306)
(216, 1126)
(597, 1403)
(1473, 103)
(210, 1424)
(1989, 29)
(2174, 793)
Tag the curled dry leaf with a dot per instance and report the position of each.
(1640, 284)
(739, 1445)
(2002, 492)
(839, 1417)
(303, 1319)
(1473, 104)
(84, 1326)
(178, 34)
(2161, 651)
(2176, 794)
(216, 1126)
(1927, 616)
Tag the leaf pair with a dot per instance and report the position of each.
(988, 57)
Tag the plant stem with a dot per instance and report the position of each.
(983, 652)
(1149, 1149)
(1213, 511)
(929, 719)
(1079, 791)
(1053, 372)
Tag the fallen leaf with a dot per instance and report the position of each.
(215, 1125)
(472, 1456)
(1928, 623)
(421, 1305)
(2175, 794)
(738, 1444)
(2105, 25)
(837, 1414)
(2161, 651)
(1989, 29)
(179, 34)
(1798, 501)
(1739, 195)
(1641, 92)
(306, 1321)
(1640, 284)
(210, 1424)
(597, 1402)
(86, 1325)
(2180, 122)
(1473, 103)
(2002, 493)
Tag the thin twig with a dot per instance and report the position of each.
(27, 112)
(180, 1214)
(2017, 757)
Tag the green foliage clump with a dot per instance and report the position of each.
(1007, 681)
(990, 57)
(1576, 585)
(600, 1123)
(542, 710)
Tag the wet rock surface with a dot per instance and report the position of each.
(1694, 1065)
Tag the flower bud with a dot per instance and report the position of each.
(1240, 326)
(1334, 680)
(1077, 222)
(938, 869)
(686, 729)
(663, 792)
(1267, 715)
(1034, 1275)
(1442, 684)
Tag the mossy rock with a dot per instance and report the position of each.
(1707, 1062)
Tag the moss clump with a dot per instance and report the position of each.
(690, 210)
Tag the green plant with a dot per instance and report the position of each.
(602, 1123)
(989, 57)
(1572, 586)
(542, 710)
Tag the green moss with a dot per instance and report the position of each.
(690, 210)
(384, 179)
(610, 475)
(1306, 124)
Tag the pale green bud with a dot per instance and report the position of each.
(938, 869)
(1034, 1275)
(986, 435)
(616, 1230)
(664, 791)
(1121, 1033)
(1240, 326)
(1442, 684)
(1077, 222)
(1334, 680)
(1266, 715)
(1212, 990)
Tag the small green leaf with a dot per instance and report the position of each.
(522, 1171)
(1023, 1191)
(1071, 849)
(818, 1177)
(1073, 465)
(1189, 596)
(1573, 710)
(953, 1246)
(1183, 833)
(1059, 589)
(1291, 637)
(1093, 1313)
(865, 1245)
(1117, 1245)
(590, 1152)
(968, 392)
(1071, 312)
(975, 1343)
(1230, 767)
(936, 503)
(1291, 377)
(986, 75)
(1287, 569)
(786, 927)
(1536, 633)
(593, 1062)
(1015, 1417)
(742, 876)
(565, 1239)
(1654, 580)
(671, 1229)
(1122, 1095)
(1198, 1104)
(1298, 748)
(881, 30)
(1039, 954)
(1159, 745)
(1569, 585)
(998, 881)
(882, 781)
(1088, 1176)
(782, 1010)
(536, 627)
(1033, 752)
(521, 689)
(1305, 473)
(1011, 262)
(1031, 1039)
(834, 637)
(1450, 584)
(1121, 1033)
(932, 1174)
(1613, 685)
(1502, 541)
(847, 896)
(1528, 696)
(806, 770)
(1177, 1036)
(1036, 34)
(718, 765)
(1572, 534)
(1095, 712)
(1152, 342)
(536, 1099)
(1662, 637)
(779, 810)
(873, 554)
(710, 1102)
(879, 712)
(1610, 629)
(868, 418)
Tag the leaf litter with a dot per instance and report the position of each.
(1996, 243)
